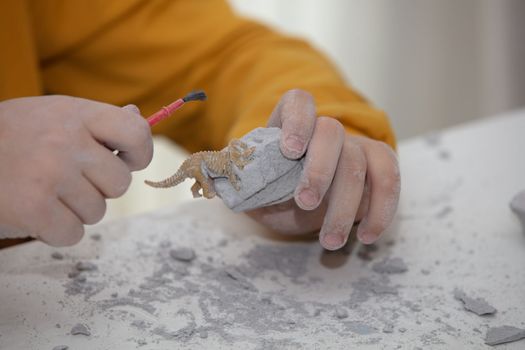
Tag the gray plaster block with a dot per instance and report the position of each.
(517, 205)
(270, 178)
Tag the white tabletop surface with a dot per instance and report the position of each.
(248, 290)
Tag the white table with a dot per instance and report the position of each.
(454, 229)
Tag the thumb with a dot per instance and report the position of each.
(132, 108)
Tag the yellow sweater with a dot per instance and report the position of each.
(150, 52)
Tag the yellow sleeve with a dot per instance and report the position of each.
(152, 52)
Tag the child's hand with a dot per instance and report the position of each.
(57, 166)
(346, 178)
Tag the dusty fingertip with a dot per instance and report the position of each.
(293, 147)
(366, 237)
(307, 199)
(132, 108)
(332, 241)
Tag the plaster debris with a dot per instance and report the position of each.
(96, 236)
(341, 313)
(61, 347)
(85, 266)
(80, 278)
(80, 329)
(360, 328)
(478, 306)
(390, 266)
(270, 178)
(388, 328)
(57, 256)
(444, 212)
(517, 205)
(402, 329)
(504, 334)
(182, 254)
(203, 334)
(444, 155)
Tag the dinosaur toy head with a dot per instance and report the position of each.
(239, 152)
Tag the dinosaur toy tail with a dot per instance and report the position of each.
(169, 182)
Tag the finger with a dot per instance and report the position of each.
(63, 227)
(385, 185)
(132, 108)
(107, 172)
(124, 130)
(365, 202)
(320, 163)
(296, 116)
(82, 198)
(345, 196)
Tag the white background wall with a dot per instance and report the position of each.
(428, 63)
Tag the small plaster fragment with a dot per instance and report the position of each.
(388, 328)
(96, 236)
(390, 266)
(341, 313)
(478, 306)
(57, 256)
(61, 347)
(81, 329)
(85, 266)
(182, 254)
(203, 334)
(504, 334)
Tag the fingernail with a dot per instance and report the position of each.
(132, 108)
(308, 198)
(366, 237)
(294, 145)
(333, 241)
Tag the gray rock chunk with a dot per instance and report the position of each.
(80, 329)
(61, 347)
(182, 254)
(479, 306)
(390, 266)
(270, 177)
(503, 334)
(517, 204)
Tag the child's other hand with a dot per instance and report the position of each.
(346, 178)
(57, 165)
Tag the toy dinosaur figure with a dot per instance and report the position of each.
(218, 163)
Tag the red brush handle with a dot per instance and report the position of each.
(165, 112)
